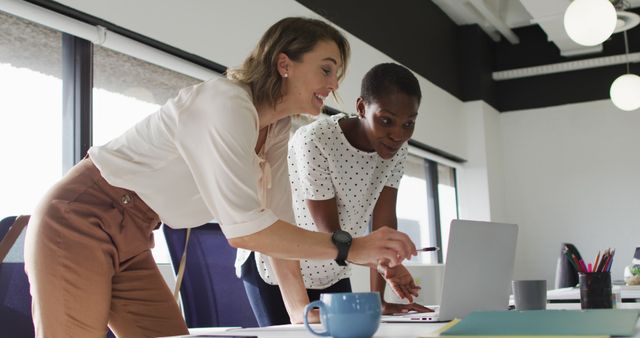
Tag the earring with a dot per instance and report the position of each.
(286, 75)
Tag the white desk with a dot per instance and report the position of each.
(386, 330)
(627, 293)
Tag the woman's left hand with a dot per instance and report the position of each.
(400, 280)
(393, 308)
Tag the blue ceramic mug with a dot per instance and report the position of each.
(347, 315)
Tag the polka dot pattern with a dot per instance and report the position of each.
(324, 165)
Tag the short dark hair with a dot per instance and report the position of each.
(388, 78)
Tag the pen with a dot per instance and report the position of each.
(576, 263)
(603, 261)
(605, 266)
(570, 259)
(583, 266)
(613, 252)
(431, 248)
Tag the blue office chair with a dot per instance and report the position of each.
(15, 300)
(211, 293)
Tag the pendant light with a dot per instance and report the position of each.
(590, 22)
(625, 90)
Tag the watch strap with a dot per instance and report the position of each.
(343, 248)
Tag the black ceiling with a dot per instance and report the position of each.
(460, 59)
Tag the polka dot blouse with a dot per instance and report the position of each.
(324, 165)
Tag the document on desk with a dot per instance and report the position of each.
(518, 336)
(438, 334)
(251, 332)
(220, 336)
(283, 328)
(212, 336)
(594, 322)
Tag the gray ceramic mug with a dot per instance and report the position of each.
(530, 294)
(347, 315)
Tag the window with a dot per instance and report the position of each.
(425, 213)
(125, 91)
(412, 208)
(31, 115)
(447, 201)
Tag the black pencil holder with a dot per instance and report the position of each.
(595, 290)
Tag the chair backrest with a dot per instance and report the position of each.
(211, 293)
(15, 299)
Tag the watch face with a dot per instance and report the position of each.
(342, 236)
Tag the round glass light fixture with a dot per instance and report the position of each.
(625, 92)
(590, 22)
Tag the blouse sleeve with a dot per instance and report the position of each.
(312, 166)
(216, 135)
(398, 169)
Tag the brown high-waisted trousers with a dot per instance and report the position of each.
(88, 258)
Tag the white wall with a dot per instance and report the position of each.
(480, 178)
(572, 173)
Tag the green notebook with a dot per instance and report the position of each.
(547, 322)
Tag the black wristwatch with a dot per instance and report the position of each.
(342, 240)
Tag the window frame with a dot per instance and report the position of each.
(433, 197)
(77, 98)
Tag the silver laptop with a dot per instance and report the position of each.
(477, 273)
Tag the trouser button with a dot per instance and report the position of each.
(125, 199)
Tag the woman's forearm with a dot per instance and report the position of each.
(292, 288)
(285, 240)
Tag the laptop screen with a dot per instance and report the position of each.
(479, 267)
(478, 270)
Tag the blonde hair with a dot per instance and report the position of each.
(294, 37)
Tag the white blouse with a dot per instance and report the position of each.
(194, 160)
(323, 165)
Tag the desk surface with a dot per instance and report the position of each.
(386, 330)
(626, 293)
